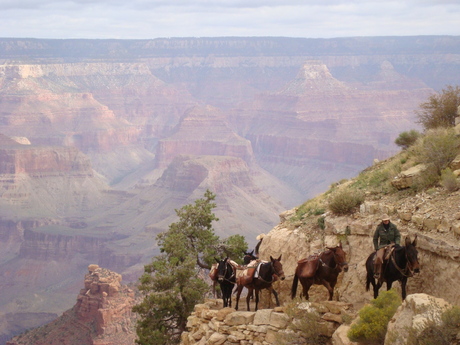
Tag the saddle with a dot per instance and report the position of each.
(213, 272)
(310, 265)
(245, 274)
(388, 251)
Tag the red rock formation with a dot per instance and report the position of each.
(101, 316)
(34, 160)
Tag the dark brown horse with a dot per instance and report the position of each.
(267, 271)
(226, 276)
(321, 269)
(402, 264)
(248, 257)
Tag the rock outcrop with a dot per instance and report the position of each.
(417, 312)
(433, 216)
(101, 316)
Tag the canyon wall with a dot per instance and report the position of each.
(100, 141)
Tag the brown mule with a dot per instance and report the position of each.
(320, 269)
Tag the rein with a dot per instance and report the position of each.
(233, 273)
(336, 264)
(406, 269)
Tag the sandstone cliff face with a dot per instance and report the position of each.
(101, 316)
(433, 218)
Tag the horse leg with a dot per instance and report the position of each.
(306, 284)
(295, 282)
(276, 295)
(376, 286)
(248, 298)
(257, 299)
(329, 288)
(229, 295)
(239, 288)
(223, 288)
(226, 295)
(403, 288)
(389, 284)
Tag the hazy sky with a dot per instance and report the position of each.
(131, 19)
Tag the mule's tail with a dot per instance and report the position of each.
(295, 282)
(368, 282)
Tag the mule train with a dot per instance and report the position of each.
(318, 269)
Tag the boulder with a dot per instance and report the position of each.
(406, 178)
(416, 312)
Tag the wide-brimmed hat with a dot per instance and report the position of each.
(385, 217)
(259, 237)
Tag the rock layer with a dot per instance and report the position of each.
(101, 316)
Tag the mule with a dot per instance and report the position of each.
(320, 269)
(401, 265)
(268, 272)
(226, 276)
(248, 257)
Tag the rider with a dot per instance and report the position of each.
(385, 236)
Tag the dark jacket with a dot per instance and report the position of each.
(383, 237)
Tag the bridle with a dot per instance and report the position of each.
(335, 259)
(274, 272)
(408, 268)
(223, 277)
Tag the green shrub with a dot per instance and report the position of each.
(407, 139)
(428, 178)
(373, 319)
(449, 180)
(438, 148)
(345, 201)
(308, 209)
(321, 223)
(377, 179)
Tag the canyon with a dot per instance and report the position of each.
(101, 140)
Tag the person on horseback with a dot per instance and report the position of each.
(385, 237)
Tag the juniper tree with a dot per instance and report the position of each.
(171, 283)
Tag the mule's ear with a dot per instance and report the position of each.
(251, 253)
(340, 244)
(407, 241)
(414, 242)
(279, 259)
(271, 259)
(216, 259)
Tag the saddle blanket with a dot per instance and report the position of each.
(243, 271)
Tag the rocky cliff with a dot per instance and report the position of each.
(117, 134)
(432, 216)
(101, 316)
